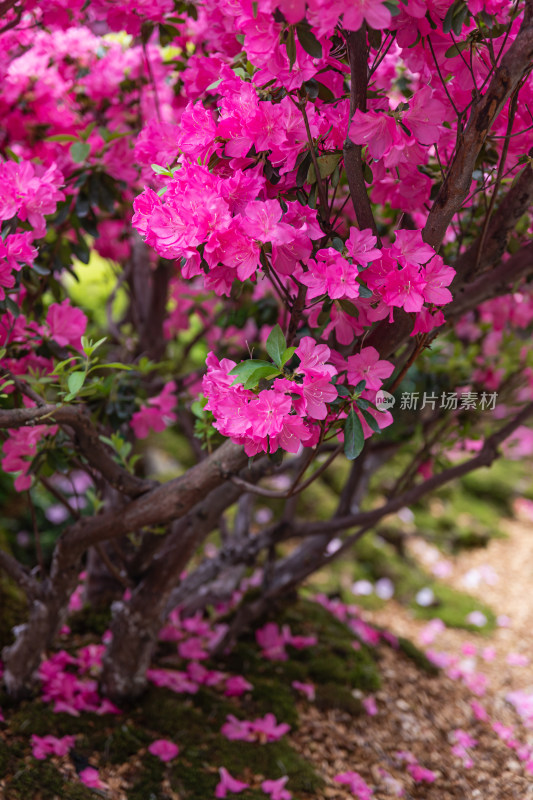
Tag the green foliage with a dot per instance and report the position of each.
(354, 438)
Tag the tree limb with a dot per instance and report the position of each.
(516, 63)
(88, 440)
(353, 162)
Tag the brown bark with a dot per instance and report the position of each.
(353, 161)
(517, 62)
(165, 503)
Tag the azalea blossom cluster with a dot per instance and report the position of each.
(287, 414)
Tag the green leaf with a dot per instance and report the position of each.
(12, 306)
(114, 365)
(308, 40)
(349, 307)
(459, 19)
(364, 291)
(276, 345)
(79, 151)
(343, 391)
(456, 49)
(59, 367)
(197, 408)
(161, 170)
(326, 165)
(87, 131)
(62, 137)
(370, 421)
(447, 22)
(246, 368)
(89, 347)
(75, 381)
(287, 355)
(260, 373)
(290, 44)
(354, 438)
(325, 93)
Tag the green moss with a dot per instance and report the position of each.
(35, 717)
(119, 744)
(43, 780)
(148, 785)
(214, 707)
(273, 695)
(331, 695)
(274, 759)
(417, 656)
(453, 607)
(190, 779)
(376, 559)
(169, 715)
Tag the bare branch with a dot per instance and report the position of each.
(353, 162)
(484, 458)
(98, 455)
(517, 62)
(19, 574)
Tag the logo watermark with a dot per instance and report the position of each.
(384, 400)
(448, 401)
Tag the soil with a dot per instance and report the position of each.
(418, 712)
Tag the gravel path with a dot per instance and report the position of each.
(419, 713)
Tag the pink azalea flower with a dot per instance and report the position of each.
(276, 789)
(192, 648)
(369, 704)
(306, 688)
(420, 774)
(425, 116)
(356, 784)
(205, 677)
(313, 357)
(300, 642)
(463, 738)
(361, 246)
(43, 746)
(331, 274)
(378, 131)
(375, 12)
(272, 642)
(267, 728)
(157, 415)
(517, 660)
(405, 288)
(236, 686)
(438, 276)
(237, 730)
(367, 366)
(7, 279)
(163, 749)
(410, 248)
(174, 680)
(90, 777)
(67, 324)
(229, 784)
(316, 392)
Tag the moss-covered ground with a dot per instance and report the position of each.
(193, 722)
